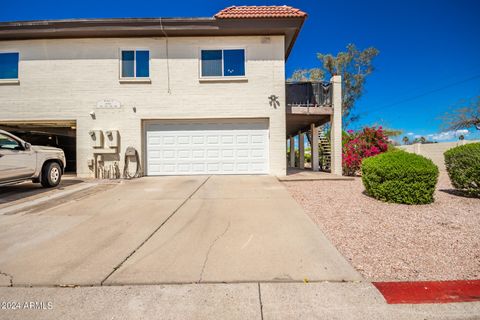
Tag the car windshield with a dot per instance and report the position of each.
(8, 143)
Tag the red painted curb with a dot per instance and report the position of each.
(429, 291)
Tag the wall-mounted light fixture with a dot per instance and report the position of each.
(274, 101)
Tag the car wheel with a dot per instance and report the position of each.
(51, 175)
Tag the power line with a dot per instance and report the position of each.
(387, 106)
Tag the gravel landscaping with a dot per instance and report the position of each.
(383, 241)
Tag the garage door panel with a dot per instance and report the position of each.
(155, 141)
(167, 140)
(242, 139)
(198, 167)
(227, 139)
(168, 168)
(183, 154)
(207, 147)
(154, 167)
(228, 167)
(184, 167)
(155, 154)
(258, 139)
(228, 153)
(198, 139)
(213, 154)
(183, 139)
(258, 153)
(242, 166)
(212, 139)
(242, 152)
(168, 154)
(198, 154)
(213, 167)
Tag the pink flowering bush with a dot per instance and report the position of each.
(360, 145)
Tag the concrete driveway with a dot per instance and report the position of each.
(170, 230)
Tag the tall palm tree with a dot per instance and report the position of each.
(405, 140)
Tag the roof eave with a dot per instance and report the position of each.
(152, 27)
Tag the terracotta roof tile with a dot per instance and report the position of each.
(254, 12)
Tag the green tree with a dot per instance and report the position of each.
(353, 65)
(405, 140)
(463, 117)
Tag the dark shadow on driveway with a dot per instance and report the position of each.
(29, 189)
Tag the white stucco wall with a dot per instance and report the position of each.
(63, 79)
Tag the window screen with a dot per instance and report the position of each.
(211, 63)
(128, 64)
(9, 65)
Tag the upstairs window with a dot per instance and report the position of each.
(135, 64)
(223, 63)
(9, 65)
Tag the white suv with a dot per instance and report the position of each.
(20, 161)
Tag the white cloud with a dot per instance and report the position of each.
(449, 135)
(410, 133)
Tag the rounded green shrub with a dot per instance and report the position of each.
(463, 167)
(400, 177)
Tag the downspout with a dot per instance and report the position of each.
(166, 51)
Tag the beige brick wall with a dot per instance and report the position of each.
(65, 78)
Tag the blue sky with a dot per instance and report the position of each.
(429, 49)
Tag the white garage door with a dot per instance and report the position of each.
(207, 147)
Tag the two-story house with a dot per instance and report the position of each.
(170, 95)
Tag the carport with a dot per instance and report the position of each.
(52, 133)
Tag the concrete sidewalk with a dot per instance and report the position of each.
(222, 301)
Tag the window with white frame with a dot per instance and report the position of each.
(135, 64)
(9, 65)
(222, 63)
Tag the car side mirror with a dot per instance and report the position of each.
(27, 146)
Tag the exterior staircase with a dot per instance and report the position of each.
(325, 151)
